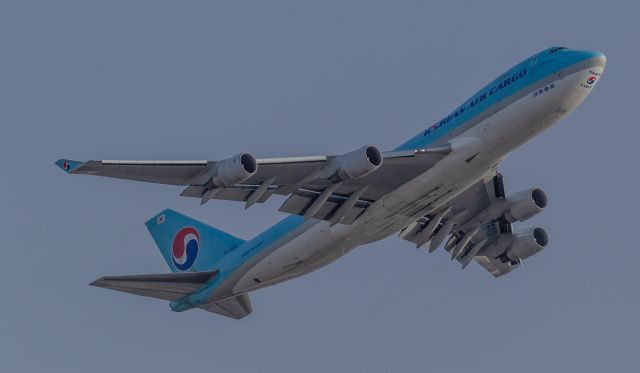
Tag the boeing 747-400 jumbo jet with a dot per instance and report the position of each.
(439, 188)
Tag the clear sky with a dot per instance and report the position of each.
(208, 79)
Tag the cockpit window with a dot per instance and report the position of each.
(556, 49)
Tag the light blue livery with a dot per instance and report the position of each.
(439, 189)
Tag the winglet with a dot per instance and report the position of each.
(68, 165)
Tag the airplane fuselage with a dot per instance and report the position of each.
(511, 110)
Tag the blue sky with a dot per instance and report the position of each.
(206, 80)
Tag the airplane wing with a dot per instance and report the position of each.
(317, 186)
(474, 228)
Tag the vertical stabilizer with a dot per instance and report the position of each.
(187, 244)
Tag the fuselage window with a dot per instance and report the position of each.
(554, 50)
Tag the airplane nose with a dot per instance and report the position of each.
(591, 64)
(598, 59)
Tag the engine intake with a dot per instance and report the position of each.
(527, 243)
(523, 205)
(234, 170)
(356, 164)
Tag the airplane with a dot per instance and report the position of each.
(440, 188)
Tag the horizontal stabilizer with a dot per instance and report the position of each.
(171, 286)
(235, 307)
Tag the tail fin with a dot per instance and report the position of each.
(187, 244)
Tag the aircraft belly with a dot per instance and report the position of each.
(476, 152)
(314, 248)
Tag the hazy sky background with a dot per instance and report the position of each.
(207, 79)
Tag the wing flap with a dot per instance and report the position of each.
(299, 202)
(495, 266)
(235, 193)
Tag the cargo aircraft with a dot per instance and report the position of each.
(440, 188)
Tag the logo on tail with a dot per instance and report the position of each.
(185, 248)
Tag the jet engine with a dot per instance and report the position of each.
(234, 170)
(356, 164)
(527, 243)
(525, 204)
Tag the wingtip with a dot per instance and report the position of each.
(97, 282)
(68, 165)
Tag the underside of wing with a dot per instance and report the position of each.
(161, 172)
(336, 188)
(477, 225)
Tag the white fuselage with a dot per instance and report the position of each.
(315, 243)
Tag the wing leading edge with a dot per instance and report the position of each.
(317, 186)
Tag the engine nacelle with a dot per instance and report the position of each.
(525, 204)
(527, 243)
(356, 164)
(234, 170)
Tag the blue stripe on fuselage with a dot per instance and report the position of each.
(522, 75)
(260, 242)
